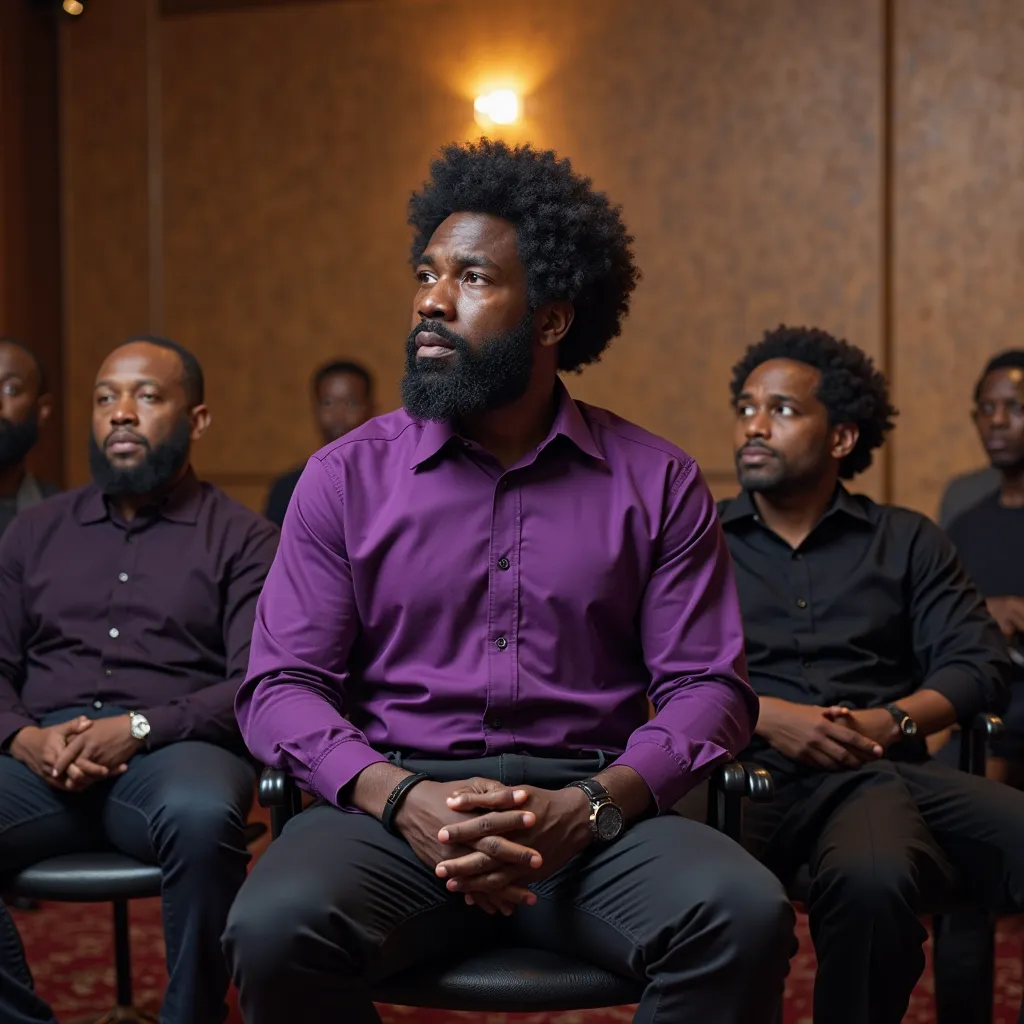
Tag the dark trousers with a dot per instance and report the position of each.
(337, 904)
(885, 844)
(18, 1002)
(183, 807)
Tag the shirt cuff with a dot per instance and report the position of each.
(10, 723)
(667, 779)
(165, 724)
(339, 766)
(963, 691)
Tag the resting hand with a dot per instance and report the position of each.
(559, 830)
(425, 813)
(100, 752)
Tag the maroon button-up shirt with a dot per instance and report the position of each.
(154, 615)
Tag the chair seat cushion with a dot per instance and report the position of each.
(510, 980)
(85, 878)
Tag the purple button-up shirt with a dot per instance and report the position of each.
(423, 599)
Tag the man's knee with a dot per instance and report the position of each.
(755, 908)
(198, 827)
(272, 927)
(865, 883)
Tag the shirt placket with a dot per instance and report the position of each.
(503, 615)
(803, 613)
(122, 570)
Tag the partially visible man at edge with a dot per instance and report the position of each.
(864, 636)
(342, 400)
(25, 405)
(489, 583)
(126, 610)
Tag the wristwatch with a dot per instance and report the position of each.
(906, 725)
(139, 725)
(607, 822)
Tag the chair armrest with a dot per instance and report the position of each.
(974, 742)
(278, 791)
(729, 785)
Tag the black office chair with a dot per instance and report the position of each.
(974, 744)
(105, 877)
(511, 980)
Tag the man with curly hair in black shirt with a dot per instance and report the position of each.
(864, 636)
(474, 599)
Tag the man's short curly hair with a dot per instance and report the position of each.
(569, 237)
(851, 389)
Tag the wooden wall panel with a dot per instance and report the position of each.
(105, 196)
(742, 139)
(959, 239)
(30, 260)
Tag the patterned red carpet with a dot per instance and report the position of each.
(69, 948)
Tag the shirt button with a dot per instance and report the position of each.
(801, 603)
(113, 632)
(123, 577)
(108, 671)
(496, 723)
(805, 664)
(97, 704)
(501, 643)
(503, 564)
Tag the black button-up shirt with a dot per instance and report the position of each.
(873, 605)
(154, 615)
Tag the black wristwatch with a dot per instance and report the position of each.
(906, 725)
(607, 822)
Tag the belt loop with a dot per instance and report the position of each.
(395, 757)
(601, 761)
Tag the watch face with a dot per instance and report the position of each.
(908, 727)
(609, 822)
(140, 727)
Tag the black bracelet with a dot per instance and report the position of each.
(394, 800)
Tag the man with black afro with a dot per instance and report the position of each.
(474, 600)
(864, 636)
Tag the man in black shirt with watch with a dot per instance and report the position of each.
(864, 635)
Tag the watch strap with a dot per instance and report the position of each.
(395, 799)
(592, 788)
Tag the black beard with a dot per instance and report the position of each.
(158, 468)
(18, 439)
(471, 381)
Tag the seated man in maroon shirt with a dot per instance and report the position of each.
(126, 611)
(473, 600)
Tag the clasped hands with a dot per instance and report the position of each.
(490, 841)
(73, 755)
(828, 737)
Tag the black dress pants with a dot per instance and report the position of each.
(884, 844)
(19, 1003)
(337, 903)
(183, 807)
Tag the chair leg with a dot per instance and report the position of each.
(124, 1012)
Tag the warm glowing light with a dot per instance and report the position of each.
(498, 107)
(74, 6)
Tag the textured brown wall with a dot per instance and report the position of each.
(959, 243)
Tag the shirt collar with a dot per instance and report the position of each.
(742, 507)
(181, 505)
(569, 423)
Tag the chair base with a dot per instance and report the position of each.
(121, 1015)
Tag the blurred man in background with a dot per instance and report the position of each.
(342, 401)
(25, 405)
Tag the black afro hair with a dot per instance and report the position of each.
(570, 239)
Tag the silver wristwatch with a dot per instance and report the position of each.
(139, 725)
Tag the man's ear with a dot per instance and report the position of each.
(199, 420)
(553, 322)
(44, 407)
(844, 439)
